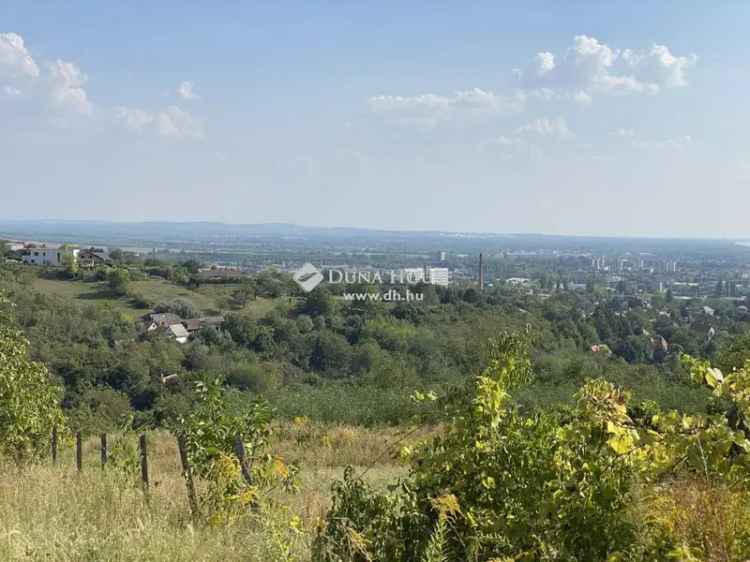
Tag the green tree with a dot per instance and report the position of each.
(70, 263)
(182, 307)
(118, 280)
(117, 255)
(243, 294)
(29, 400)
(317, 303)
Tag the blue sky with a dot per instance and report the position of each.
(612, 118)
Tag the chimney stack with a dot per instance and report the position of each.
(481, 271)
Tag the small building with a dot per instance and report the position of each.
(90, 258)
(49, 255)
(194, 324)
(161, 320)
(178, 333)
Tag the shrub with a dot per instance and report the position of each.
(498, 484)
(29, 400)
(184, 308)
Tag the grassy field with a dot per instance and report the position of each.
(209, 299)
(86, 293)
(160, 290)
(56, 514)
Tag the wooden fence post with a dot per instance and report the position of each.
(103, 439)
(187, 474)
(79, 452)
(53, 445)
(143, 448)
(239, 451)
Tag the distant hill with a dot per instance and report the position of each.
(212, 234)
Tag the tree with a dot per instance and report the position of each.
(70, 263)
(118, 280)
(117, 255)
(243, 294)
(29, 400)
(317, 303)
(331, 353)
(193, 266)
(182, 307)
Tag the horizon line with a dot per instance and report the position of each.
(369, 229)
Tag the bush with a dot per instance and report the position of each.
(101, 409)
(118, 280)
(29, 401)
(497, 484)
(184, 308)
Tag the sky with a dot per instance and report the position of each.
(577, 117)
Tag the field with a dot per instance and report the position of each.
(53, 513)
(209, 299)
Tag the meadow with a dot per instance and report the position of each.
(54, 513)
(209, 299)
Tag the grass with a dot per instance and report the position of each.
(53, 513)
(160, 290)
(220, 294)
(85, 293)
(208, 298)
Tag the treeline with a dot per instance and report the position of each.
(359, 362)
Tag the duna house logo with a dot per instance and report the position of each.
(308, 277)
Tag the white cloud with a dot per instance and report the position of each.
(590, 66)
(431, 109)
(67, 83)
(61, 82)
(133, 118)
(659, 66)
(545, 127)
(172, 122)
(15, 59)
(186, 91)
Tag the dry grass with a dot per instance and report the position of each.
(331, 446)
(56, 514)
(52, 513)
(710, 519)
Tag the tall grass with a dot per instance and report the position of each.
(53, 513)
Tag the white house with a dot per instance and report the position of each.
(48, 254)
